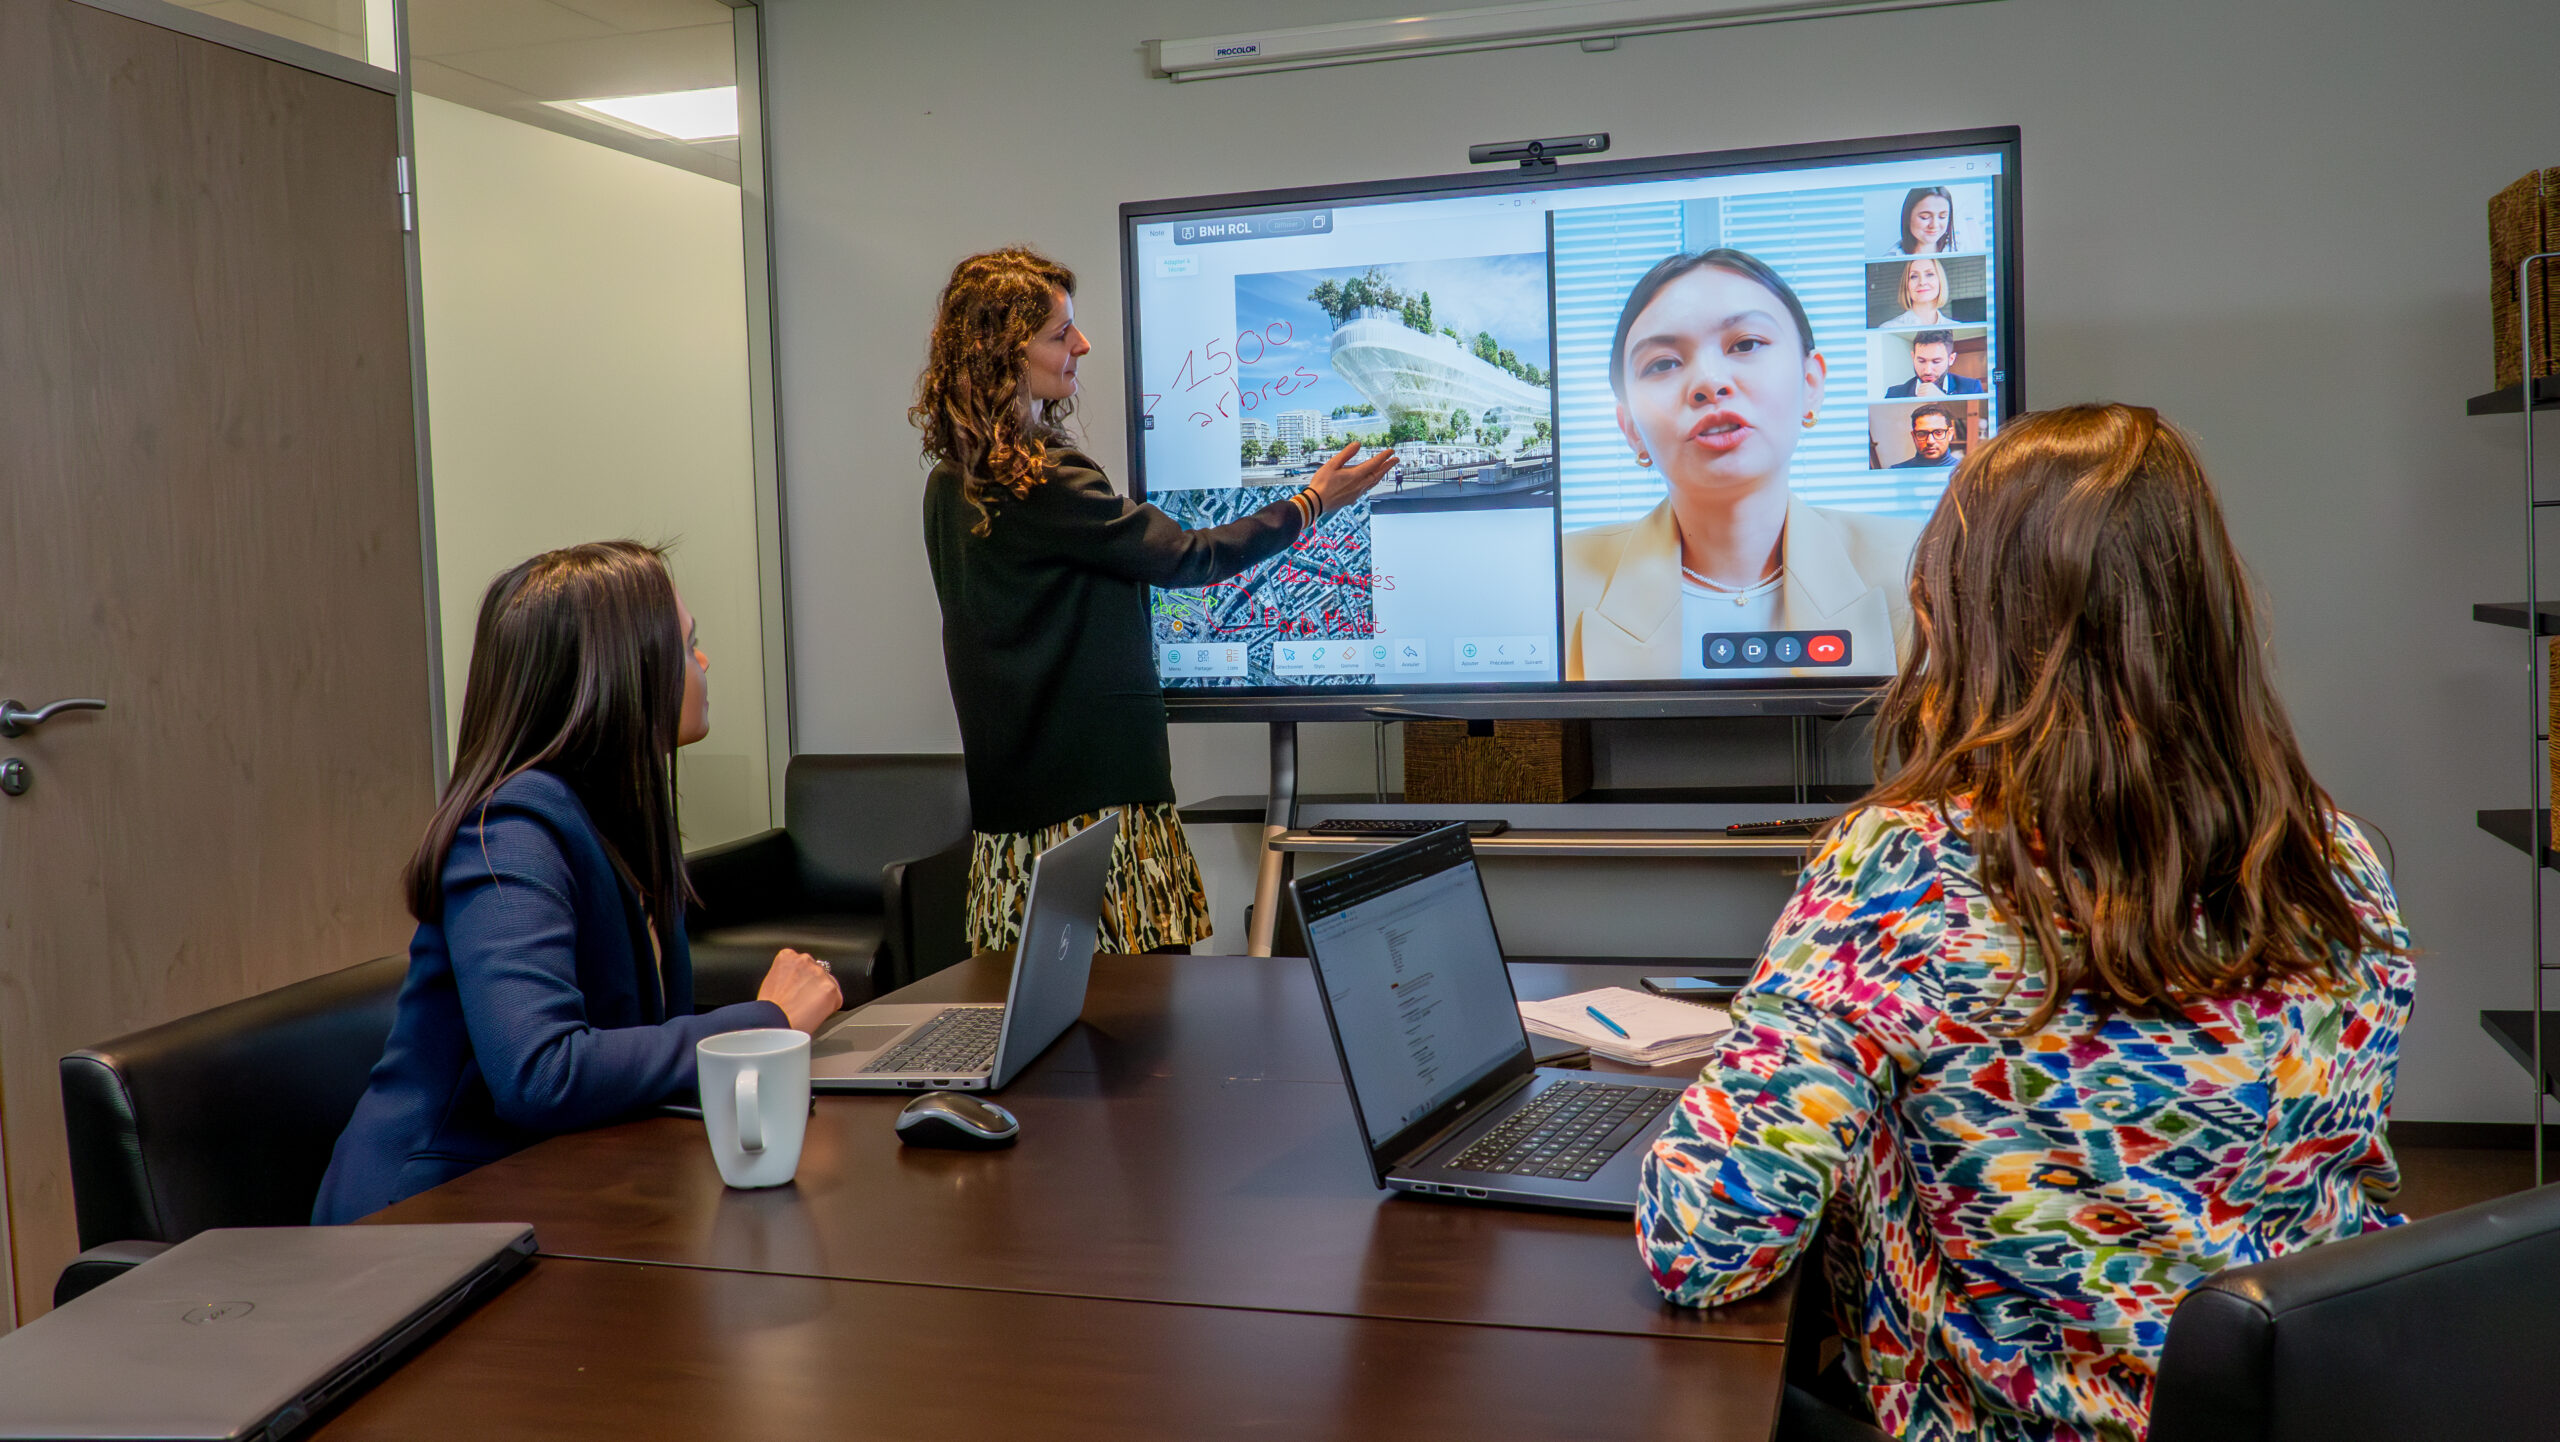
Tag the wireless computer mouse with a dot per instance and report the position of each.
(956, 1119)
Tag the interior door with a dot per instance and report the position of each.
(209, 519)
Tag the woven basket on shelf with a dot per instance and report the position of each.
(2524, 219)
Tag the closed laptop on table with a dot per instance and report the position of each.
(1449, 1099)
(245, 1332)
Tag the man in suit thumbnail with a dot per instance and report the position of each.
(1933, 359)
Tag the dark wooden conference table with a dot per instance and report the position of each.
(1186, 1243)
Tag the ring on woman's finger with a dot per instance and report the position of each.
(828, 967)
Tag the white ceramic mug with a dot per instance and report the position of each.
(755, 1102)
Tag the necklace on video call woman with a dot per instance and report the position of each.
(1042, 571)
(1717, 375)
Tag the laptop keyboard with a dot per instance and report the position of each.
(1569, 1132)
(960, 1041)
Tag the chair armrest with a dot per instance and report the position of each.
(102, 1264)
(927, 910)
(744, 880)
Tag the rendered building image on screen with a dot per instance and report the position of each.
(1671, 425)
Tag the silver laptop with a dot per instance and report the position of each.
(910, 1046)
(245, 1332)
(1439, 1069)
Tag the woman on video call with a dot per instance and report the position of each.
(1042, 570)
(2094, 995)
(1717, 375)
(1928, 221)
(1924, 295)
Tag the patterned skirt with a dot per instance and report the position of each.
(1152, 898)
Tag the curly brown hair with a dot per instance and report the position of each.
(2086, 663)
(968, 401)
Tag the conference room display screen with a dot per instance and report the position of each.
(1419, 996)
(1726, 506)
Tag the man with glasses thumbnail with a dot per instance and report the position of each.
(1933, 438)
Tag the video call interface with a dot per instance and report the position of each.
(1722, 497)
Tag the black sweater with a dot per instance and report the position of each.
(1046, 635)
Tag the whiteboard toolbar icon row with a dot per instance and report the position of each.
(1503, 653)
(1201, 658)
(1347, 655)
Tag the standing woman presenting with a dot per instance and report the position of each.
(1042, 570)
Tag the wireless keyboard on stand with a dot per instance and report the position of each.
(1398, 828)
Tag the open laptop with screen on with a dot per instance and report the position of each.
(1449, 1101)
(246, 1332)
(980, 1046)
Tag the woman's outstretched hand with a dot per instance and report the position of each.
(802, 986)
(1338, 483)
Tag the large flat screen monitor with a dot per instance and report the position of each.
(1668, 428)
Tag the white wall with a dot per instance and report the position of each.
(587, 380)
(2267, 219)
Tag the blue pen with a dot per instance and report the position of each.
(1602, 1018)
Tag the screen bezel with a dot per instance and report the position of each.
(1560, 698)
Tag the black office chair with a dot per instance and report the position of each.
(869, 870)
(221, 1119)
(2442, 1328)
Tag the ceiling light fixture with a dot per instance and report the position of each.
(1596, 23)
(688, 115)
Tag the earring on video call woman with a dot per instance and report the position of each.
(1717, 376)
(1043, 571)
(549, 985)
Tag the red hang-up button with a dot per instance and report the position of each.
(1826, 649)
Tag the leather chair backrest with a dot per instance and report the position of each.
(225, 1118)
(2442, 1328)
(850, 816)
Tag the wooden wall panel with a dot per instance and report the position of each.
(209, 516)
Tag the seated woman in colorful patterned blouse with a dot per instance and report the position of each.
(2095, 995)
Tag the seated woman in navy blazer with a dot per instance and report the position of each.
(549, 985)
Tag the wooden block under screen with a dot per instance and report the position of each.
(1522, 761)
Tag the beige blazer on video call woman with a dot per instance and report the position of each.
(1846, 570)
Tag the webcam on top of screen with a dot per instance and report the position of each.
(1537, 154)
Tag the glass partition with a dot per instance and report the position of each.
(584, 282)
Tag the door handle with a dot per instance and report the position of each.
(17, 720)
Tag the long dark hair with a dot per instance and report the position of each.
(968, 400)
(577, 667)
(2086, 665)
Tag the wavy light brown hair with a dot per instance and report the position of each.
(969, 399)
(2086, 665)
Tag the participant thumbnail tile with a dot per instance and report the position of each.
(1929, 364)
(1927, 291)
(1925, 435)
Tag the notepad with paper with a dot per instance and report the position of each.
(1659, 1029)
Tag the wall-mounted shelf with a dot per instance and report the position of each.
(2514, 1031)
(2511, 613)
(2515, 828)
(2508, 400)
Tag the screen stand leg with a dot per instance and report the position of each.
(1280, 813)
